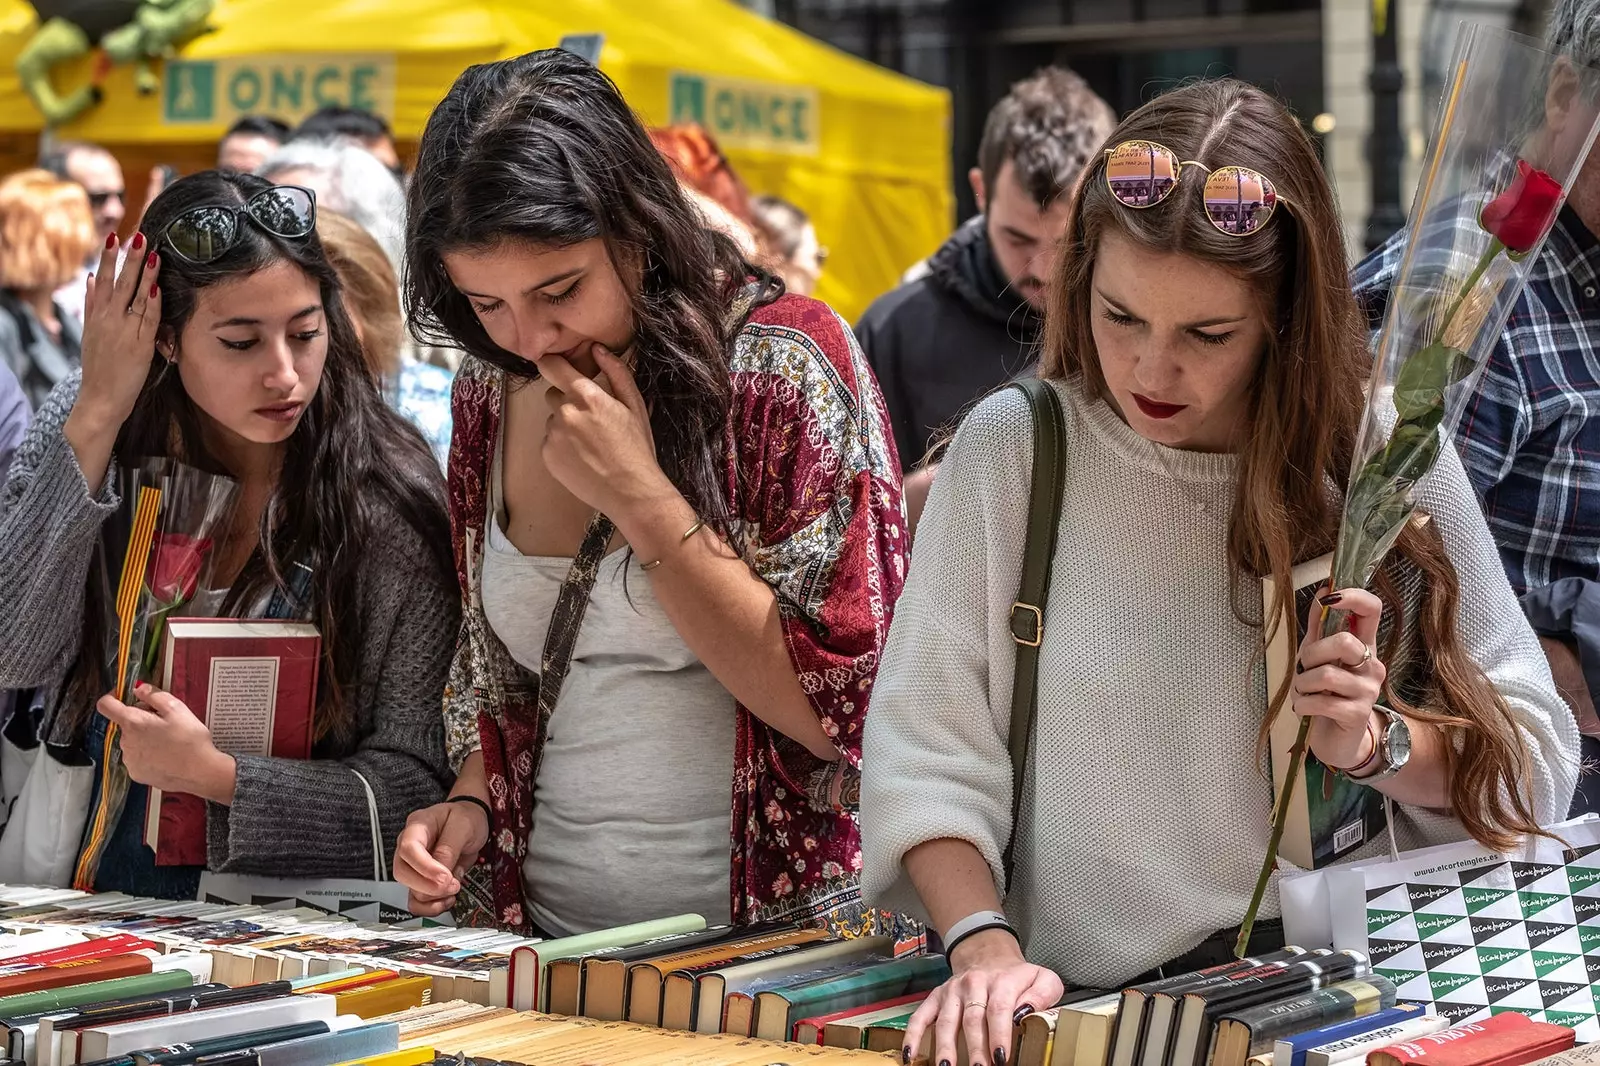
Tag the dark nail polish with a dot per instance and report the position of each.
(1331, 599)
(1022, 1012)
(999, 1056)
(111, 241)
(905, 1055)
(150, 261)
(138, 241)
(944, 1062)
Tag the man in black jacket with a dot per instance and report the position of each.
(966, 321)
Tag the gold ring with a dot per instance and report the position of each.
(1366, 656)
(980, 1006)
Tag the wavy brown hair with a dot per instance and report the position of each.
(1306, 408)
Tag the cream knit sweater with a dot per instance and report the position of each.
(1145, 817)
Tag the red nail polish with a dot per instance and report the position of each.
(138, 241)
(111, 241)
(150, 261)
(155, 290)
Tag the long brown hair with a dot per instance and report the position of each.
(1306, 407)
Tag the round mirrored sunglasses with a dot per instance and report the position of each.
(1238, 201)
(204, 234)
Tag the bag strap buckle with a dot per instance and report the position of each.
(1020, 622)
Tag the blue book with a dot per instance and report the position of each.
(1291, 1051)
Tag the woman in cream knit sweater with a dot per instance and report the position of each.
(1211, 372)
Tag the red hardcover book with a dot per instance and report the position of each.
(1508, 1039)
(254, 684)
(62, 974)
(104, 947)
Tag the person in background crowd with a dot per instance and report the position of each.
(1530, 435)
(1212, 386)
(46, 230)
(14, 412)
(100, 175)
(366, 129)
(675, 478)
(417, 390)
(249, 142)
(224, 344)
(970, 324)
(348, 180)
(710, 180)
(789, 240)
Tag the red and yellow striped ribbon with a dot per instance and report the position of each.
(134, 563)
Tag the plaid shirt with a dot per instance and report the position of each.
(1530, 437)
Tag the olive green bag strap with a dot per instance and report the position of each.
(1028, 611)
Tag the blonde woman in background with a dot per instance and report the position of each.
(46, 232)
(419, 391)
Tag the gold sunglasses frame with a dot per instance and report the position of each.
(1177, 177)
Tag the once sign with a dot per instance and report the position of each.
(215, 92)
(749, 114)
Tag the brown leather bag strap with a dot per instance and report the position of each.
(567, 618)
(1028, 612)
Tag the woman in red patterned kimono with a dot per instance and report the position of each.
(677, 520)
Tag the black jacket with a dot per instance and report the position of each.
(944, 341)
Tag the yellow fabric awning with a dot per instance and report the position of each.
(864, 150)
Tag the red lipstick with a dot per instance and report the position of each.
(1153, 409)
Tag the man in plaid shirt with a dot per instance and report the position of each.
(1530, 436)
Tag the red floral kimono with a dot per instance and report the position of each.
(814, 487)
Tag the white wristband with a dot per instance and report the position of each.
(971, 922)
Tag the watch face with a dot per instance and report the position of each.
(1398, 741)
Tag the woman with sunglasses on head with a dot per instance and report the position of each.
(1207, 352)
(224, 343)
(677, 520)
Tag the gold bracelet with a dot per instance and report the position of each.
(691, 531)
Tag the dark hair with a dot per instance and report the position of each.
(780, 224)
(334, 122)
(543, 149)
(1048, 127)
(1308, 397)
(55, 160)
(259, 126)
(349, 453)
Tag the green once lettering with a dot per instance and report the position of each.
(244, 80)
(287, 93)
(320, 95)
(797, 121)
(751, 120)
(775, 125)
(363, 93)
(725, 111)
(688, 99)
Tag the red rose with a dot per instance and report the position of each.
(1519, 217)
(175, 564)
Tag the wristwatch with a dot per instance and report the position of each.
(1391, 754)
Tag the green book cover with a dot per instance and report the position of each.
(94, 992)
(1330, 816)
(778, 1010)
(530, 987)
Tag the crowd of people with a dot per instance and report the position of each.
(608, 524)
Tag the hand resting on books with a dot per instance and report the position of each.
(165, 746)
(993, 989)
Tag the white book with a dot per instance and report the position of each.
(198, 963)
(103, 1043)
(1357, 1047)
(15, 944)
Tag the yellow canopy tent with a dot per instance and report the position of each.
(864, 150)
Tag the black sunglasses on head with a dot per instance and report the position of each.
(204, 234)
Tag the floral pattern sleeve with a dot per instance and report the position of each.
(816, 488)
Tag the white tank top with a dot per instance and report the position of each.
(633, 800)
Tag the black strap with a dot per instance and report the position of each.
(1028, 612)
(567, 618)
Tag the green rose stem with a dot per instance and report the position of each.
(1329, 618)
